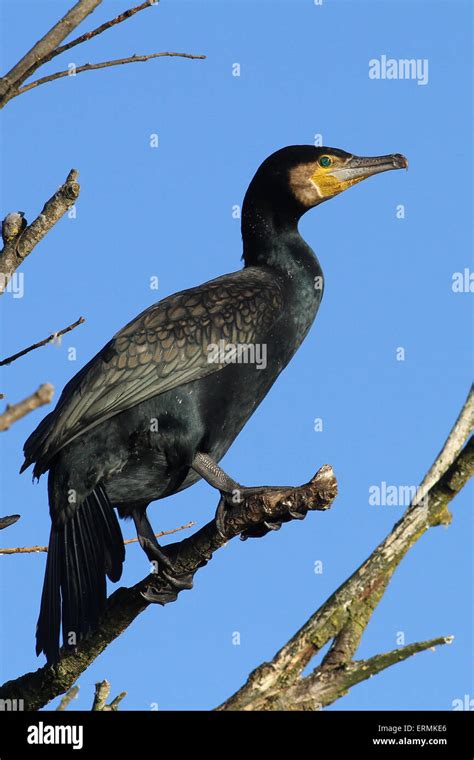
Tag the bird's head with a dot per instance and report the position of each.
(331, 171)
(302, 176)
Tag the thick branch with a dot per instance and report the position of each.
(49, 339)
(15, 412)
(103, 65)
(324, 687)
(18, 248)
(125, 604)
(33, 59)
(345, 615)
(102, 692)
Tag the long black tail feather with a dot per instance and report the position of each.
(81, 553)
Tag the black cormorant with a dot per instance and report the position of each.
(160, 405)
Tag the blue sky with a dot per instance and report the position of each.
(167, 212)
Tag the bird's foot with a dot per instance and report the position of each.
(162, 563)
(168, 593)
(232, 495)
(164, 596)
(166, 569)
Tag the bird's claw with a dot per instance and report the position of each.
(159, 597)
(226, 502)
(166, 569)
(260, 530)
(156, 554)
(176, 583)
(220, 516)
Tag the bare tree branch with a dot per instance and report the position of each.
(48, 48)
(32, 60)
(90, 35)
(67, 699)
(125, 604)
(15, 412)
(37, 549)
(16, 249)
(323, 687)
(102, 692)
(345, 615)
(51, 338)
(114, 705)
(459, 434)
(103, 65)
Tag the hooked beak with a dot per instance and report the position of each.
(357, 168)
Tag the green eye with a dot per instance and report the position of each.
(325, 161)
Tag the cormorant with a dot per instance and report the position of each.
(158, 407)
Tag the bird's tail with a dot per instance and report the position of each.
(81, 553)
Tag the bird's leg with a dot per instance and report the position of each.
(208, 469)
(231, 491)
(155, 553)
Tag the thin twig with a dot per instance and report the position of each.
(33, 58)
(49, 339)
(164, 532)
(36, 549)
(98, 30)
(113, 706)
(15, 412)
(104, 65)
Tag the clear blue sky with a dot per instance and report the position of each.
(168, 212)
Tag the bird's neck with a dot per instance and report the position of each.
(271, 238)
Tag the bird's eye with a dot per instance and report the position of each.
(325, 161)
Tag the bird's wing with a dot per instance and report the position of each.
(166, 346)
